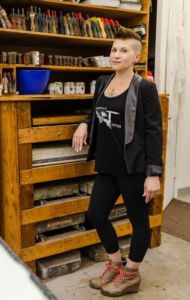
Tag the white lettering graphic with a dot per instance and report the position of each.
(105, 116)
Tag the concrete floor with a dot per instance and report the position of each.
(165, 275)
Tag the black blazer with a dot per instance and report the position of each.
(143, 126)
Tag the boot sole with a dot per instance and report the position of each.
(93, 287)
(135, 289)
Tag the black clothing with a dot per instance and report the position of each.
(142, 124)
(110, 135)
(105, 192)
(136, 148)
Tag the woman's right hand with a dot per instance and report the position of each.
(80, 137)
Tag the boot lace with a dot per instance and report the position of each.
(122, 274)
(109, 267)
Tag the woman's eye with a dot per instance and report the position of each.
(124, 51)
(113, 50)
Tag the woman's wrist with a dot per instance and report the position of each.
(83, 124)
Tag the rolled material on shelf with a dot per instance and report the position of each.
(75, 1)
(86, 186)
(61, 222)
(58, 265)
(56, 153)
(56, 190)
(97, 252)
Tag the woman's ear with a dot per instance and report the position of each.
(138, 56)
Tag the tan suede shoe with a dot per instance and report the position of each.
(111, 271)
(124, 283)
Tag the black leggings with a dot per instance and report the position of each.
(105, 192)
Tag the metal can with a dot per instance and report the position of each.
(81, 87)
(59, 88)
(69, 88)
(35, 57)
(92, 86)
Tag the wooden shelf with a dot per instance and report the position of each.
(65, 68)
(58, 208)
(79, 239)
(31, 37)
(46, 133)
(57, 68)
(18, 114)
(58, 119)
(44, 97)
(111, 12)
(56, 172)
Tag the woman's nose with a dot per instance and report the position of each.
(117, 54)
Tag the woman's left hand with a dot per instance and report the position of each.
(151, 187)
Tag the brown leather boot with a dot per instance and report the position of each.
(125, 282)
(111, 271)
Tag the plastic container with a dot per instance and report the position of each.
(32, 81)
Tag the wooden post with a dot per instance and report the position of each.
(157, 203)
(25, 162)
(9, 189)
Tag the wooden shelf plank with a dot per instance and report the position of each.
(58, 119)
(46, 133)
(56, 172)
(57, 208)
(64, 68)
(78, 240)
(64, 39)
(103, 11)
(70, 206)
(57, 68)
(28, 36)
(48, 97)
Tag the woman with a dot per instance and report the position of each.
(125, 128)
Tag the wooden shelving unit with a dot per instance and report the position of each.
(86, 9)
(21, 129)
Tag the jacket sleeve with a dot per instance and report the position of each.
(153, 129)
(88, 120)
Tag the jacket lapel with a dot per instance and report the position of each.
(131, 108)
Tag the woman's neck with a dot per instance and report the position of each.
(124, 75)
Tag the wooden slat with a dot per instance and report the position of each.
(46, 134)
(45, 97)
(78, 240)
(56, 172)
(60, 119)
(57, 208)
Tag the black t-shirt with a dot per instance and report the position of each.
(110, 135)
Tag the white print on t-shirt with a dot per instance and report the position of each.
(105, 116)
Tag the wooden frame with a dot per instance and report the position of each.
(20, 130)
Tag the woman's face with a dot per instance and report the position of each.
(124, 53)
